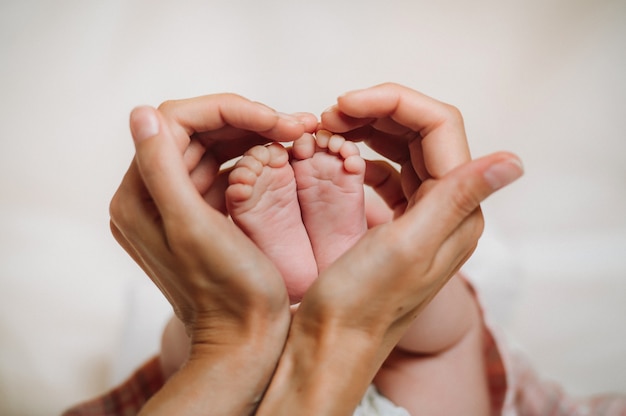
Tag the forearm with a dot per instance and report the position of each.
(323, 370)
(227, 378)
(201, 388)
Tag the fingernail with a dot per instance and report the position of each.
(144, 123)
(504, 173)
(329, 109)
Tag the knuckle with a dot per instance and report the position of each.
(453, 114)
(477, 221)
(115, 208)
(230, 95)
(126, 207)
(463, 199)
(168, 106)
(470, 231)
(121, 214)
(403, 248)
(389, 84)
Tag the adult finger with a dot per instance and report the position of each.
(214, 112)
(438, 125)
(412, 257)
(185, 220)
(447, 203)
(385, 181)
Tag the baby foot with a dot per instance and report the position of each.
(329, 176)
(262, 200)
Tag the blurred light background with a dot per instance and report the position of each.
(542, 78)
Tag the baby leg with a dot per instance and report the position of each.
(439, 366)
(329, 176)
(262, 200)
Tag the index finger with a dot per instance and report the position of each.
(439, 126)
(228, 112)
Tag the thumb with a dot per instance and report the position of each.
(161, 164)
(452, 199)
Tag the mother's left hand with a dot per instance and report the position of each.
(230, 297)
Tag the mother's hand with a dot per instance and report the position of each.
(358, 309)
(230, 297)
(424, 136)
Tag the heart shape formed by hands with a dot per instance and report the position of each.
(423, 136)
(226, 288)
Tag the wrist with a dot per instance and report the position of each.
(226, 371)
(324, 369)
(203, 385)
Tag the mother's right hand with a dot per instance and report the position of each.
(360, 306)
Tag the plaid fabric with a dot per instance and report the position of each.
(128, 398)
(496, 372)
(515, 389)
(535, 397)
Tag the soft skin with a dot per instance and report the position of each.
(230, 297)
